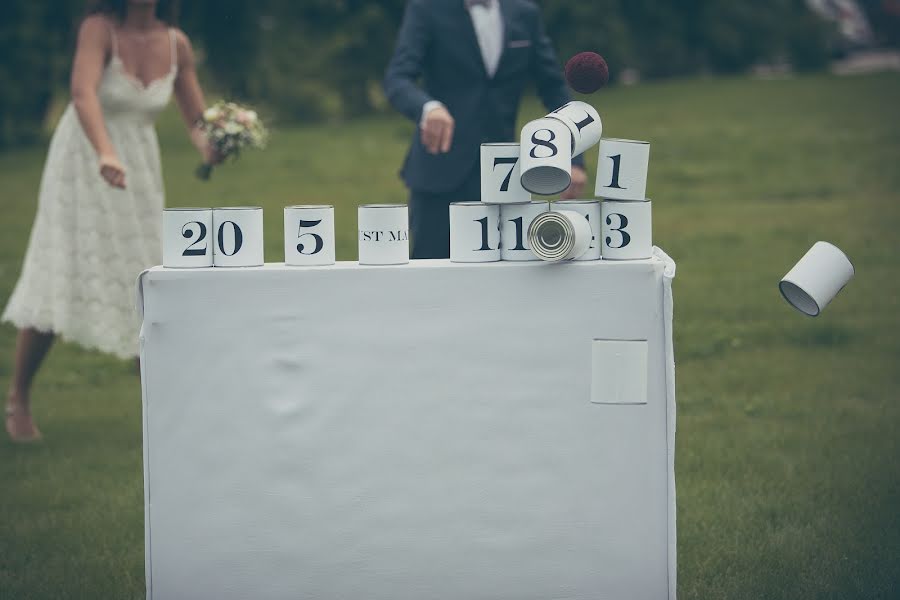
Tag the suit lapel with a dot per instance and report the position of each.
(507, 13)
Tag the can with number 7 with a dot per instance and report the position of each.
(309, 235)
(501, 176)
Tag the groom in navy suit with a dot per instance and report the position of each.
(474, 59)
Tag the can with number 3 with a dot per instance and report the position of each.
(626, 231)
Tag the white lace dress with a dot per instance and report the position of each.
(90, 241)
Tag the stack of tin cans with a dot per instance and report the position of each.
(509, 223)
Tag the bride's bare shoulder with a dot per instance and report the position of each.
(184, 49)
(95, 28)
(182, 39)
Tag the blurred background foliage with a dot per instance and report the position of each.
(314, 59)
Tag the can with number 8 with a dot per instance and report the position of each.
(626, 231)
(545, 157)
(309, 235)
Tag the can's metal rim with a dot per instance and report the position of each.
(382, 206)
(614, 201)
(624, 140)
(540, 175)
(788, 295)
(546, 118)
(309, 206)
(560, 252)
(237, 208)
(529, 203)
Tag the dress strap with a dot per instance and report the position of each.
(174, 52)
(113, 39)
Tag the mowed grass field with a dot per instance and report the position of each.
(788, 446)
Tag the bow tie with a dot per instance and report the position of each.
(484, 3)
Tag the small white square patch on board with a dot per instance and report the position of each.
(619, 372)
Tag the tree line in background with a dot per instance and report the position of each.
(312, 59)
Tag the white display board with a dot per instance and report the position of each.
(430, 431)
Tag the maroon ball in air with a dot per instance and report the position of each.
(587, 72)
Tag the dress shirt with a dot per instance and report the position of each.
(488, 24)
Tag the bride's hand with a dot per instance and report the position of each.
(210, 156)
(201, 143)
(112, 171)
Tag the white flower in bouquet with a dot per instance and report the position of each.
(212, 114)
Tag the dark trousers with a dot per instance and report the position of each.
(429, 217)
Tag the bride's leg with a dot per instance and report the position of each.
(31, 348)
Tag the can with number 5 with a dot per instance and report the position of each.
(309, 235)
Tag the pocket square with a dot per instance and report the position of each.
(519, 44)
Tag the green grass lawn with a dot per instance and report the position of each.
(788, 427)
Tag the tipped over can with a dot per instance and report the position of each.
(559, 235)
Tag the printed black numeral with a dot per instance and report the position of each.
(587, 217)
(520, 234)
(548, 143)
(238, 238)
(320, 243)
(506, 160)
(189, 233)
(617, 161)
(484, 234)
(620, 229)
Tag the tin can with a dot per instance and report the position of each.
(559, 235)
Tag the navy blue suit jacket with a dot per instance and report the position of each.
(437, 44)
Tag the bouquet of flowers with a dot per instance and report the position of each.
(230, 128)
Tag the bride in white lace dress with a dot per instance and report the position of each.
(101, 193)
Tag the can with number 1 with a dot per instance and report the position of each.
(515, 219)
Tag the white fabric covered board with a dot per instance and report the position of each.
(432, 431)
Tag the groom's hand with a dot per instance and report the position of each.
(437, 130)
(579, 179)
